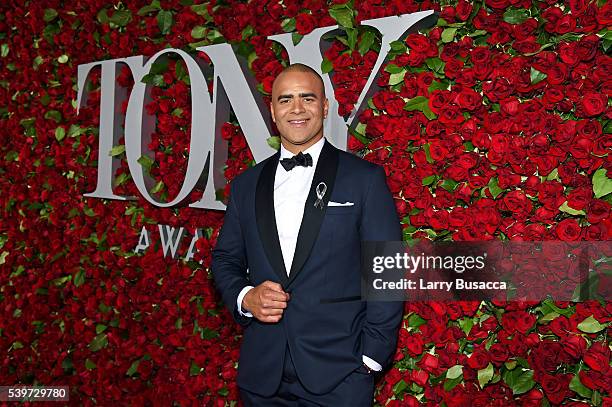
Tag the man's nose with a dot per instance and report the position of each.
(298, 106)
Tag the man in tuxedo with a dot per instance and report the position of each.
(287, 262)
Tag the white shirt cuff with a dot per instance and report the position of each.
(239, 302)
(371, 363)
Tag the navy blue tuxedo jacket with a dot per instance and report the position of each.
(326, 325)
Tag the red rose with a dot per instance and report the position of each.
(580, 197)
(597, 357)
(305, 23)
(567, 53)
(520, 321)
(556, 387)
(598, 231)
(414, 345)
(597, 210)
(463, 10)
(499, 353)
(593, 103)
(451, 114)
(574, 346)
(517, 202)
(420, 377)
(479, 359)
(468, 99)
(568, 230)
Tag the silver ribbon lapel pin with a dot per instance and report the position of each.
(320, 190)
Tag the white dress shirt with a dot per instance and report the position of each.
(291, 190)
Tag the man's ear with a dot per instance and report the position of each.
(325, 108)
(272, 113)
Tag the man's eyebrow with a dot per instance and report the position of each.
(302, 95)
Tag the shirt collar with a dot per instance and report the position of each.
(314, 151)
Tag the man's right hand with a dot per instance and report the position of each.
(266, 301)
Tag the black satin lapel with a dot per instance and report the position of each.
(266, 219)
(313, 216)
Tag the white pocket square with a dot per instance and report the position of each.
(332, 203)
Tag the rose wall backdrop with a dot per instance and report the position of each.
(494, 124)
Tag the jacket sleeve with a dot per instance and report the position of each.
(379, 222)
(229, 261)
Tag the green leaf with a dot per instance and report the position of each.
(420, 103)
(429, 180)
(274, 142)
(89, 364)
(288, 24)
(398, 47)
(568, 209)
(448, 35)
(400, 387)
(416, 103)
(99, 342)
(343, 15)
(427, 153)
(146, 162)
(454, 372)
(53, 115)
(158, 187)
(100, 328)
(60, 133)
(296, 38)
(164, 21)
(50, 14)
(326, 66)
(415, 321)
(202, 10)
(62, 59)
(199, 31)
(494, 188)
(485, 375)
(4, 50)
(194, 369)
(602, 185)
(450, 185)
(577, 386)
(392, 68)
(117, 150)
(79, 278)
(133, 368)
(516, 16)
(102, 16)
(450, 384)
(153, 79)
(537, 76)
(519, 380)
(154, 6)
(466, 325)
(121, 18)
(435, 85)
(477, 33)
(591, 325)
(351, 35)
(397, 78)
(436, 65)
(367, 40)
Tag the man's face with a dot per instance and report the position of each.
(298, 108)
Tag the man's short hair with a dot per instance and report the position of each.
(297, 67)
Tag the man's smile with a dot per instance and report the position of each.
(298, 122)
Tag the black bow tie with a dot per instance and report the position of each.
(301, 159)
